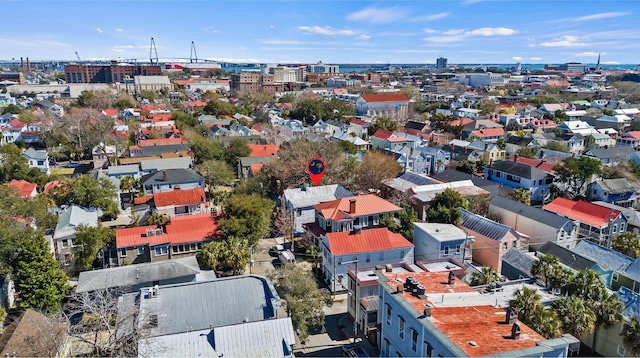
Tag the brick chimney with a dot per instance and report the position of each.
(164, 175)
(28, 64)
(515, 158)
(352, 206)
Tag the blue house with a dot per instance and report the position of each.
(436, 241)
(614, 191)
(516, 175)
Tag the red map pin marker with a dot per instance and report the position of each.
(316, 168)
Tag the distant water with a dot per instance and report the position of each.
(524, 66)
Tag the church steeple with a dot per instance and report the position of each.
(598, 64)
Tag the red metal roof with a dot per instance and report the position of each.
(583, 211)
(110, 112)
(197, 104)
(632, 134)
(25, 188)
(370, 240)
(180, 230)
(358, 122)
(142, 199)
(382, 134)
(364, 205)
(263, 150)
(385, 97)
(179, 197)
(537, 163)
(461, 122)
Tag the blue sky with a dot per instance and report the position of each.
(334, 31)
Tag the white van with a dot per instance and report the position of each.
(286, 257)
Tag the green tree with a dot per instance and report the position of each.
(400, 222)
(555, 146)
(348, 147)
(230, 254)
(87, 192)
(561, 279)
(546, 267)
(608, 312)
(588, 285)
(631, 335)
(217, 172)
(247, 216)
(84, 98)
(386, 123)
(526, 152)
(237, 148)
(204, 149)
(128, 184)
(218, 108)
(576, 315)
(547, 323)
(13, 165)
(522, 195)
(479, 205)
(486, 276)
(253, 186)
(124, 103)
(150, 95)
(337, 109)
(576, 173)
(445, 207)
(303, 300)
(527, 302)
(11, 108)
(88, 242)
(308, 110)
(157, 219)
(627, 243)
(40, 281)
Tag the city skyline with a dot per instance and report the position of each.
(466, 31)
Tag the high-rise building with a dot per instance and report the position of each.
(322, 68)
(441, 63)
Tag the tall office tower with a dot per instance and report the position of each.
(441, 63)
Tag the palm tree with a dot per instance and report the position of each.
(128, 184)
(237, 254)
(522, 195)
(631, 335)
(575, 314)
(608, 312)
(527, 302)
(627, 243)
(561, 279)
(547, 323)
(157, 219)
(546, 267)
(587, 284)
(485, 277)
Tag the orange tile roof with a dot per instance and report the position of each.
(156, 107)
(256, 168)
(632, 134)
(365, 205)
(263, 150)
(488, 132)
(179, 197)
(142, 199)
(370, 240)
(180, 230)
(161, 141)
(110, 112)
(583, 211)
(385, 97)
(461, 122)
(480, 323)
(25, 188)
(197, 104)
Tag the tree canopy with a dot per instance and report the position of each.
(230, 254)
(375, 168)
(576, 173)
(85, 191)
(304, 301)
(247, 216)
(385, 123)
(445, 207)
(88, 242)
(627, 243)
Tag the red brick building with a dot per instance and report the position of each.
(112, 73)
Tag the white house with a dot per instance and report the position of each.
(38, 159)
(299, 202)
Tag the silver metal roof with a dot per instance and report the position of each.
(313, 195)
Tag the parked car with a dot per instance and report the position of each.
(274, 251)
(286, 257)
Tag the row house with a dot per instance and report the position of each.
(615, 191)
(181, 236)
(595, 222)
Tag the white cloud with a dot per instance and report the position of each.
(586, 54)
(469, 2)
(279, 42)
(376, 15)
(99, 30)
(433, 17)
(453, 32)
(492, 31)
(535, 58)
(327, 30)
(272, 26)
(363, 37)
(610, 63)
(430, 31)
(122, 48)
(603, 15)
(563, 41)
(119, 30)
(516, 58)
